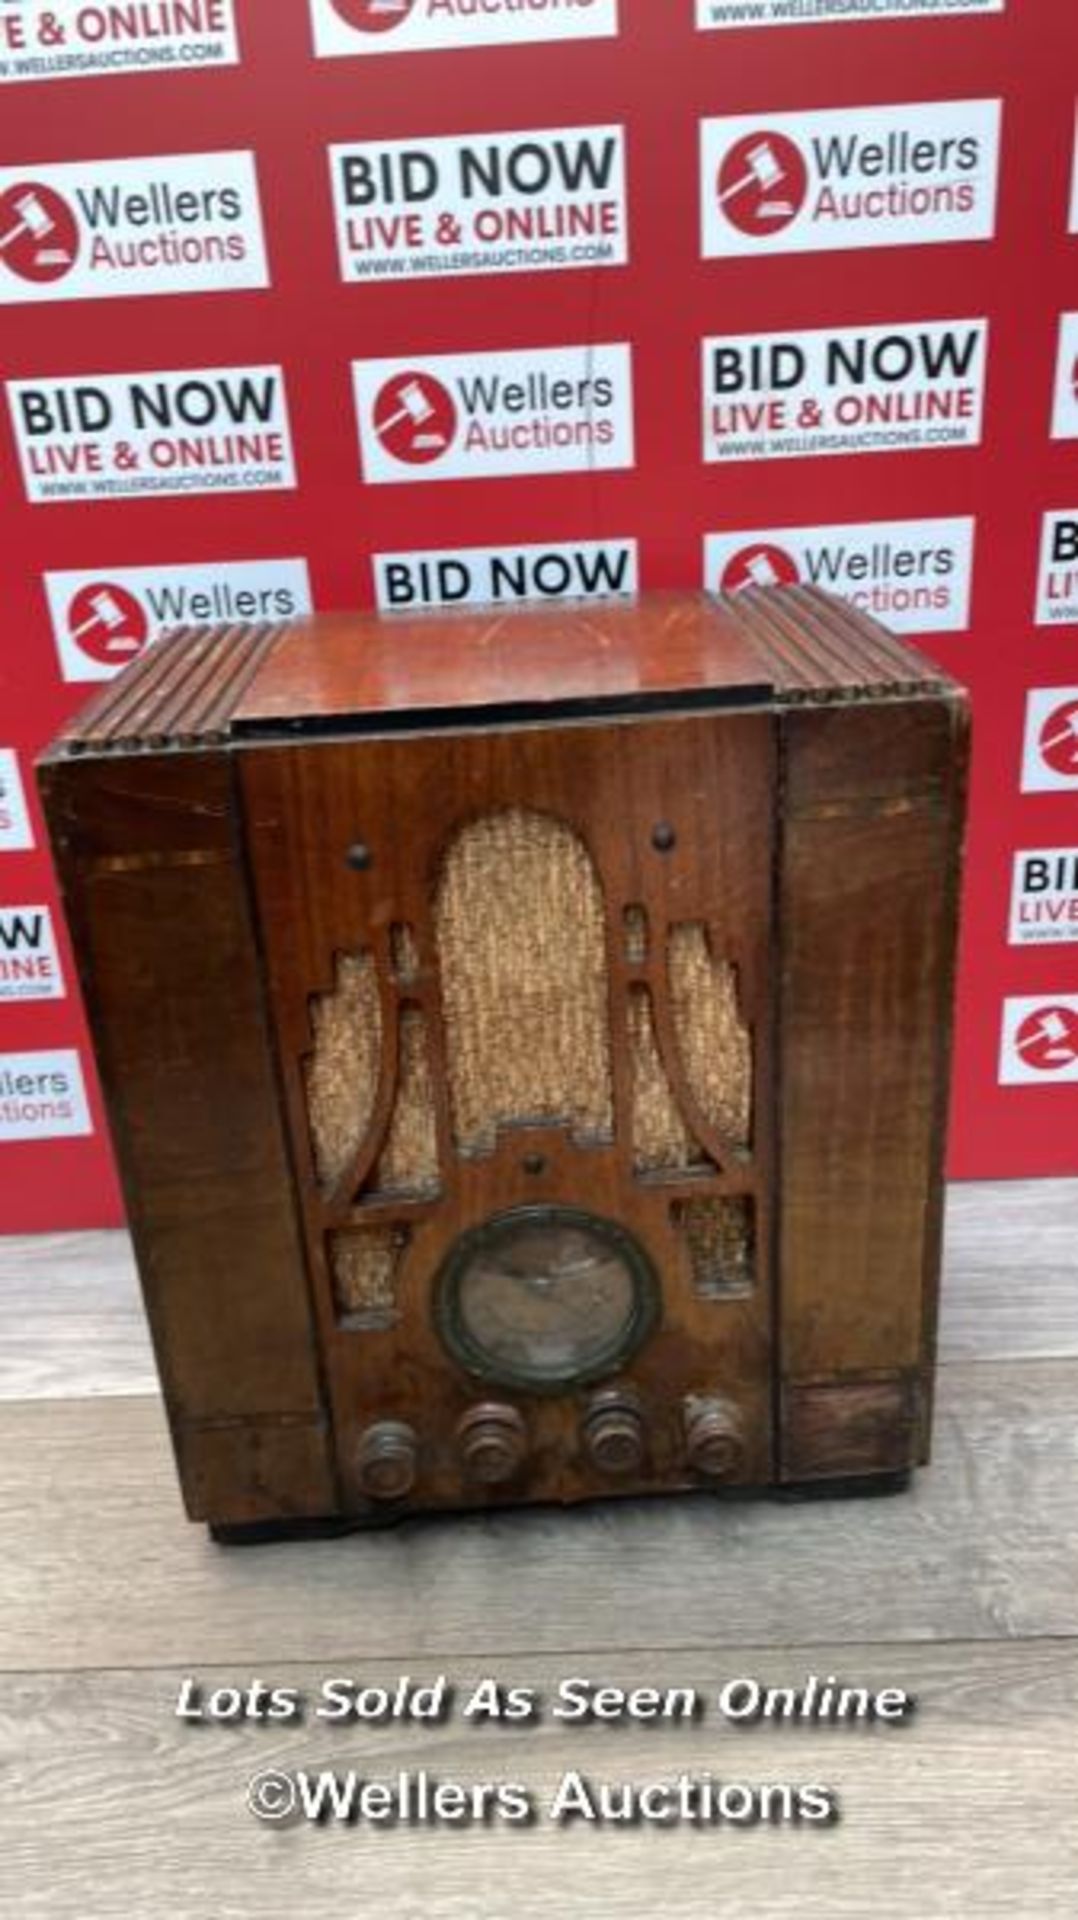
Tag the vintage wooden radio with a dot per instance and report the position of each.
(525, 1039)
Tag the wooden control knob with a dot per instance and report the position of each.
(614, 1433)
(387, 1460)
(493, 1442)
(713, 1438)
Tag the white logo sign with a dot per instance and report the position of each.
(70, 40)
(42, 1096)
(117, 435)
(1044, 897)
(913, 574)
(817, 13)
(1065, 404)
(467, 416)
(1040, 1040)
(485, 576)
(1057, 573)
(849, 177)
(102, 619)
(409, 26)
(16, 833)
(29, 963)
(104, 229)
(775, 396)
(1050, 750)
(480, 203)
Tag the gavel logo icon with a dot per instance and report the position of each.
(1048, 1038)
(374, 16)
(1059, 738)
(762, 183)
(764, 565)
(107, 623)
(39, 236)
(415, 417)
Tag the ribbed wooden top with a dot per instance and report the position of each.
(201, 686)
(182, 692)
(816, 647)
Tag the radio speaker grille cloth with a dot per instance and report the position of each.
(364, 1265)
(342, 1070)
(712, 1038)
(521, 942)
(408, 1162)
(661, 1140)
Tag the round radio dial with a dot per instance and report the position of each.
(545, 1297)
(713, 1438)
(615, 1437)
(493, 1442)
(387, 1460)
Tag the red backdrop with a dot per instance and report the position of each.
(748, 289)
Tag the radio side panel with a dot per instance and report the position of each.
(151, 871)
(868, 882)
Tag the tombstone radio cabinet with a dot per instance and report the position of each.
(525, 1044)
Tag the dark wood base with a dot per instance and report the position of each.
(262, 1533)
(270, 1533)
(850, 1486)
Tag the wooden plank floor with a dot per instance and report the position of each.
(964, 1592)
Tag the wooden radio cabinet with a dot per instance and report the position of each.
(525, 1039)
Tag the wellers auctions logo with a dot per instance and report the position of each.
(841, 390)
(42, 1096)
(1044, 897)
(73, 40)
(103, 619)
(480, 203)
(106, 229)
(29, 962)
(1050, 741)
(497, 576)
(818, 13)
(912, 574)
(410, 26)
(474, 416)
(849, 177)
(1039, 1041)
(1057, 573)
(126, 435)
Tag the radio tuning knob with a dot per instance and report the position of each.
(614, 1433)
(387, 1460)
(492, 1441)
(713, 1438)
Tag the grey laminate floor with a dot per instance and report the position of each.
(964, 1592)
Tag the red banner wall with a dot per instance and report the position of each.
(332, 301)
